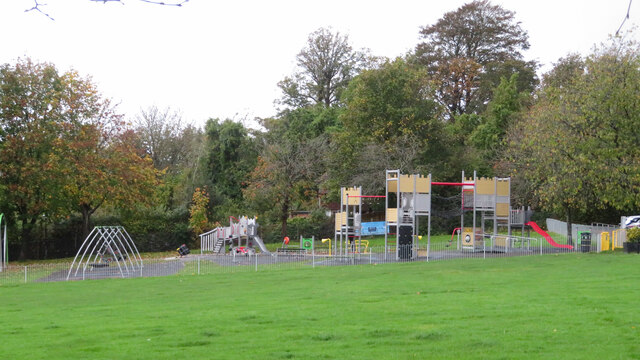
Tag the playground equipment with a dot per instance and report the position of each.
(359, 245)
(183, 250)
(348, 221)
(329, 240)
(307, 243)
(104, 246)
(408, 198)
(491, 197)
(412, 200)
(547, 237)
(241, 233)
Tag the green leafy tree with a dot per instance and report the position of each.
(37, 106)
(326, 65)
(62, 149)
(176, 149)
(501, 113)
(230, 156)
(287, 173)
(198, 219)
(577, 147)
(390, 115)
(464, 47)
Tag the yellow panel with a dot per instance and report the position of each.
(485, 186)
(392, 185)
(502, 210)
(422, 185)
(501, 241)
(340, 220)
(469, 240)
(503, 188)
(406, 183)
(351, 192)
(392, 215)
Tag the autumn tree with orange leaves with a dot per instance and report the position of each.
(62, 149)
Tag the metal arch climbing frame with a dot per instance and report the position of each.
(119, 244)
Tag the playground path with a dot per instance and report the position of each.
(150, 269)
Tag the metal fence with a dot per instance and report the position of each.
(483, 247)
(560, 227)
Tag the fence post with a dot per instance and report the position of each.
(198, 265)
(540, 241)
(25, 274)
(313, 259)
(256, 256)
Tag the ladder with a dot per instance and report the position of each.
(219, 245)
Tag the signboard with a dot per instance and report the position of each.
(632, 221)
(373, 228)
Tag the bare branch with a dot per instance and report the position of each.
(625, 18)
(171, 3)
(178, 3)
(36, 7)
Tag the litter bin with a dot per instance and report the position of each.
(585, 241)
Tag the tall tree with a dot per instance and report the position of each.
(37, 105)
(501, 113)
(578, 145)
(176, 149)
(462, 46)
(230, 157)
(287, 170)
(391, 114)
(105, 168)
(198, 220)
(326, 65)
(159, 131)
(61, 147)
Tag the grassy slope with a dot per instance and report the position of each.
(569, 306)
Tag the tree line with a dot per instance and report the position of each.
(464, 99)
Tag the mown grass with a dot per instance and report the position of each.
(566, 306)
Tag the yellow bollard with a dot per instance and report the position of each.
(329, 240)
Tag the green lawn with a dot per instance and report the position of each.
(568, 306)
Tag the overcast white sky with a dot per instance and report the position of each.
(224, 58)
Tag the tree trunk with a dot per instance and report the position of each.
(25, 237)
(86, 219)
(284, 216)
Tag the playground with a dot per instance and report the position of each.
(570, 306)
(488, 228)
(488, 225)
(495, 295)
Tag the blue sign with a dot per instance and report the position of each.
(373, 228)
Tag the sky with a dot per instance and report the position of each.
(223, 59)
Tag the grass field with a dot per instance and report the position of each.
(567, 306)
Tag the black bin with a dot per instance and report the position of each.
(585, 241)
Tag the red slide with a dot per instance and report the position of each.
(537, 229)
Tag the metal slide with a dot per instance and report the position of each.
(258, 241)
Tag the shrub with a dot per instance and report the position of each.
(633, 235)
